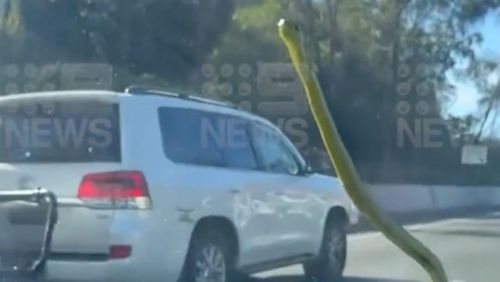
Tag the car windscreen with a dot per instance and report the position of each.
(78, 130)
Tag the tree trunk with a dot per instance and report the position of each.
(491, 103)
(389, 98)
(332, 11)
(307, 18)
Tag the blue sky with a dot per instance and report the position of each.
(466, 94)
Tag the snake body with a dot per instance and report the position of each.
(290, 35)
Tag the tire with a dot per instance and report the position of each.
(330, 263)
(209, 259)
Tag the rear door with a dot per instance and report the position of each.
(53, 142)
(215, 152)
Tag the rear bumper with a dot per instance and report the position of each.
(152, 267)
(159, 248)
(132, 270)
(77, 271)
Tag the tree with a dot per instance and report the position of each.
(365, 53)
(166, 38)
(360, 49)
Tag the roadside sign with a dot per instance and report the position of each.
(474, 155)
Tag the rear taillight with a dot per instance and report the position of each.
(120, 189)
(120, 251)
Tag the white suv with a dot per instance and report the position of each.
(158, 186)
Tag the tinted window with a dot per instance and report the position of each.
(237, 151)
(273, 153)
(205, 138)
(59, 131)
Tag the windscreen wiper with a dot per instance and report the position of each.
(291, 36)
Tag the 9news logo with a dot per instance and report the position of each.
(271, 90)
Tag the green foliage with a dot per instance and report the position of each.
(252, 35)
(166, 38)
(359, 47)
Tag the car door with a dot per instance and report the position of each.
(254, 213)
(288, 189)
(216, 153)
(307, 202)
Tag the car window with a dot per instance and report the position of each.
(237, 150)
(205, 138)
(273, 153)
(182, 142)
(52, 130)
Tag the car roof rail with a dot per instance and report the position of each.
(146, 90)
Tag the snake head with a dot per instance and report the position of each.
(289, 30)
(292, 37)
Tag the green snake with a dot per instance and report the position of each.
(291, 37)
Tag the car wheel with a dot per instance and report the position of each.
(330, 263)
(209, 259)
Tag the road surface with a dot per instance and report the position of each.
(469, 248)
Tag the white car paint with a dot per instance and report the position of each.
(275, 215)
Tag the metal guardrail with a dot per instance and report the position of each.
(34, 270)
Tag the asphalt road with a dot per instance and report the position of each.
(469, 248)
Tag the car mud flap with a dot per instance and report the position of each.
(27, 222)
